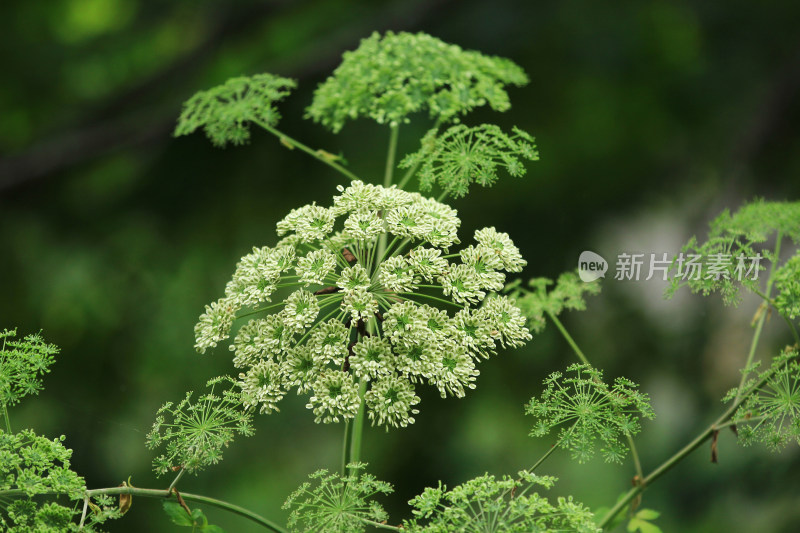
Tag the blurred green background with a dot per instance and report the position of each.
(651, 117)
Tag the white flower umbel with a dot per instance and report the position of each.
(335, 397)
(262, 385)
(366, 294)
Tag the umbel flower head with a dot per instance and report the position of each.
(379, 305)
(389, 77)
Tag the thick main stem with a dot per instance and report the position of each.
(353, 455)
(345, 447)
(389, 172)
(358, 426)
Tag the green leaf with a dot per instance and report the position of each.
(210, 528)
(177, 514)
(601, 512)
(647, 514)
(636, 524)
(198, 518)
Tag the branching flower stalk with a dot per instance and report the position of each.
(160, 494)
(756, 229)
(578, 352)
(353, 452)
(699, 440)
(541, 303)
(762, 316)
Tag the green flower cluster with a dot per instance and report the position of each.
(489, 504)
(771, 412)
(195, 432)
(333, 503)
(591, 410)
(462, 155)
(363, 323)
(543, 299)
(33, 467)
(393, 76)
(737, 237)
(23, 362)
(787, 283)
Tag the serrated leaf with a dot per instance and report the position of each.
(176, 513)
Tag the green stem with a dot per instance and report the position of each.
(637, 464)
(381, 526)
(542, 459)
(160, 493)
(260, 310)
(316, 154)
(421, 295)
(751, 353)
(721, 422)
(575, 348)
(8, 420)
(413, 170)
(175, 481)
(387, 181)
(358, 425)
(761, 319)
(346, 447)
(569, 338)
(409, 174)
(389, 172)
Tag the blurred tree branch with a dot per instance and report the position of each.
(119, 123)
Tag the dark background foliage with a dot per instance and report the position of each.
(651, 117)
